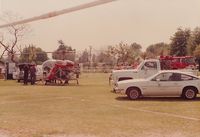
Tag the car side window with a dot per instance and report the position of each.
(175, 77)
(163, 77)
(187, 77)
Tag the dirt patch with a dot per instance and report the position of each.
(158, 134)
(4, 133)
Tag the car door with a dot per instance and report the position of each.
(150, 88)
(172, 86)
(162, 85)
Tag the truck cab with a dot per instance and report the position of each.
(145, 69)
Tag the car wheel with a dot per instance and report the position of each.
(133, 93)
(189, 93)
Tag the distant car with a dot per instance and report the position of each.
(16, 74)
(164, 83)
(19, 73)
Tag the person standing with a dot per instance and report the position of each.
(33, 74)
(26, 71)
(3, 71)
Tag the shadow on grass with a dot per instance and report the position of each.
(54, 84)
(112, 91)
(164, 99)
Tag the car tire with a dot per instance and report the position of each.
(133, 93)
(189, 93)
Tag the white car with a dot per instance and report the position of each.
(164, 83)
(19, 75)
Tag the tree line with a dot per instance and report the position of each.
(182, 43)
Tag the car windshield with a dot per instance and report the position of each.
(152, 77)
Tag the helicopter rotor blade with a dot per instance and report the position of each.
(59, 12)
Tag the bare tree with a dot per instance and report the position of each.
(125, 52)
(10, 36)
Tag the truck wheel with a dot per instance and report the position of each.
(133, 93)
(189, 93)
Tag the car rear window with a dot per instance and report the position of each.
(187, 77)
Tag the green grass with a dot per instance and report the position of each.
(91, 109)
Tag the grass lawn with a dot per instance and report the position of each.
(92, 110)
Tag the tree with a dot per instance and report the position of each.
(194, 40)
(158, 49)
(10, 36)
(103, 57)
(64, 52)
(136, 49)
(143, 55)
(125, 53)
(196, 35)
(41, 56)
(179, 42)
(33, 54)
(197, 54)
(84, 58)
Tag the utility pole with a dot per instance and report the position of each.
(90, 56)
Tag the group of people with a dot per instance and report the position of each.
(29, 70)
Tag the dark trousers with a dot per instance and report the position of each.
(33, 78)
(25, 79)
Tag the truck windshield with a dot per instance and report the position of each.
(151, 65)
(140, 65)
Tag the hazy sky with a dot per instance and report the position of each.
(142, 21)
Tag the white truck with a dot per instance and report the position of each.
(145, 69)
